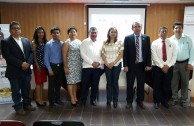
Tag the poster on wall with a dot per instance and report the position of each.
(188, 30)
(5, 91)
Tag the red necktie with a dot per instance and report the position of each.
(137, 49)
(164, 51)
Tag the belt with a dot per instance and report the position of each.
(56, 64)
(182, 61)
(138, 62)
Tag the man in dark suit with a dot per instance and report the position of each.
(18, 54)
(136, 60)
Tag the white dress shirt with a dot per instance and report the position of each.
(19, 42)
(90, 52)
(157, 56)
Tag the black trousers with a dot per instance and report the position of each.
(137, 72)
(161, 84)
(90, 78)
(54, 83)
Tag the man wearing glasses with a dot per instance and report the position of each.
(18, 54)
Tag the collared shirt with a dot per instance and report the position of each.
(157, 56)
(53, 53)
(90, 52)
(140, 47)
(19, 42)
(112, 51)
(185, 48)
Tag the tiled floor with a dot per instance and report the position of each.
(103, 116)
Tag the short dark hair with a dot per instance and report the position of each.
(55, 29)
(13, 23)
(70, 28)
(162, 27)
(93, 29)
(177, 24)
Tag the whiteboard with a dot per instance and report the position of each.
(189, 30)
(189, 22)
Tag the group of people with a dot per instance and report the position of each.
(73, 61)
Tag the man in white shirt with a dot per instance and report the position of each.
(91, 55)
(164, 57)
(183, 65)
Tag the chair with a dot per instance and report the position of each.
(57, 123)
(11, 123)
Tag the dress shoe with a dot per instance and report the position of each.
(141, 105)
(29, 108)
(165, 104)
(156, 105)
(20, 112)
(108, 104)
(59, 102)
(44, 103)
(52, 105)
(115, 105)
(174, 102)
(40, 105)
(184, 104)
(93, 103)
(128, 106)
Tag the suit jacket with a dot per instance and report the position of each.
(15, 57)
(129, 55)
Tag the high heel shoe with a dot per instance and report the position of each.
(74, 105)
(40, 105)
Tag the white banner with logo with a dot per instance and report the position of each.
(5, 91)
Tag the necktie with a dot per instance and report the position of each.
(137, 49)
(164, 51)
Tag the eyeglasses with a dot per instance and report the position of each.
(15, 28)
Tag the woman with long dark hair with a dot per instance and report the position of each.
(40, 71)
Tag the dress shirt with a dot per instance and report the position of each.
(185, 48)
(112, 51)
(19, 42)
(157, 56)
(140, 47)
(90, 52)
(52, 53)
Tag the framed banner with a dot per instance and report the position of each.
(5, 91)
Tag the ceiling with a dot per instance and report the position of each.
(100, 1)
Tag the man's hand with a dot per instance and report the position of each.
(51, 73)
(25, 65)
(165, 68)
(95, 64)
(125, 69)
(189, 67)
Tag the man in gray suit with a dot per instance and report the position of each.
(18, 54)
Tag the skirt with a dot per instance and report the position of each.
(40, 77)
